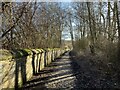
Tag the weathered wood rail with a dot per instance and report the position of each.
(18, 66)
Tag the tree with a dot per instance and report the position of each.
(118, 27)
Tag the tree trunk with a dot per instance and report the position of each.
(91, 31)
(118, 24)
(71, 33)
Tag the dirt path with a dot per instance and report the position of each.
(71, 73)
(60, 74)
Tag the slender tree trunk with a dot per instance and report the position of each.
(91, 31)
(118, 24)
(71, 33)
(109, 22)
(11, 33)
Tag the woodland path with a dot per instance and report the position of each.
(67, 74)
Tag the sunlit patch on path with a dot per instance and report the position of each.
(59, 74)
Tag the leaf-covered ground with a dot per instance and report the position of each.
(95, 72)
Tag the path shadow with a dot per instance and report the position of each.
(56, 75)
(76, 69)
(37, 62)
(20, 68)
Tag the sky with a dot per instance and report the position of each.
(55, 0)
